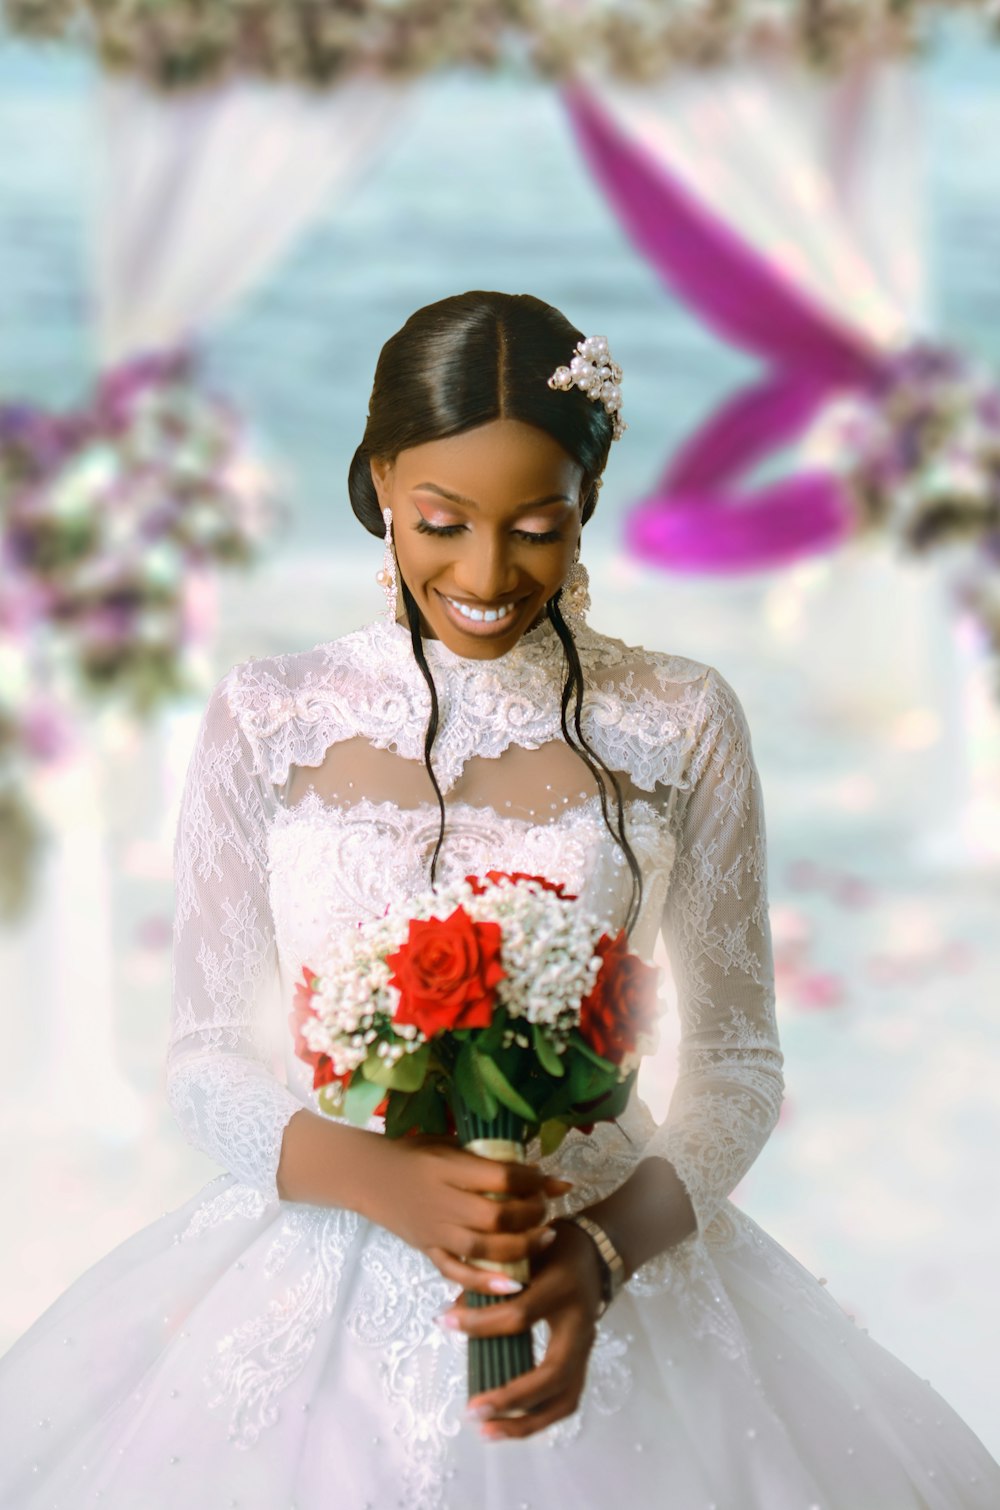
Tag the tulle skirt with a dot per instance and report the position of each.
(245, 1352)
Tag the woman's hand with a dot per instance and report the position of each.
(565, 1292)
(436, 1196)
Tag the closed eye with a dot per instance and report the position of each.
(444, 530)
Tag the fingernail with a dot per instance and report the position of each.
(547, 1237)
(501, 1284)
(557, 1179)
(482, 1412)
(447, 1319)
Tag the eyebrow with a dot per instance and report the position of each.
(538, 503)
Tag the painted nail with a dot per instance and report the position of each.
(501, 1284)
(547, 1237)
(447, 1319)
(483, 1412)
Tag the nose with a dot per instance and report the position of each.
(488, 571)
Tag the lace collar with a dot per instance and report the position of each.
(368, 684)
(532, 663)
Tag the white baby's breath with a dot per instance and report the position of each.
(547, 952)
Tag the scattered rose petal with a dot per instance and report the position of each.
(154, 932)
(958, 955)
(852, 891)
(803, 874)
(823, 989)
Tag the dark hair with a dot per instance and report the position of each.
(463, 362)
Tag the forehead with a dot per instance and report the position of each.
(498, 463)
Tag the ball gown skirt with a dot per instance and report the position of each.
(244, 1352)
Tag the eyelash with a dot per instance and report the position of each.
(445, 530)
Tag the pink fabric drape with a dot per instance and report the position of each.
(704, 515)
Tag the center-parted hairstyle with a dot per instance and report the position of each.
(459, 363)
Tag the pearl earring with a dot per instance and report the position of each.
(575, 595)
(386, 577)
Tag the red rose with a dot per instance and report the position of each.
(303, 1009)
(447, 973)
(518, 875)
(622, 1001)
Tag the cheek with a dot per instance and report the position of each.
(416, 561)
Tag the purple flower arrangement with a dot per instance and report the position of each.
(921, 456)
(112, 522)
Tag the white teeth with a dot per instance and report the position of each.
(479, 615)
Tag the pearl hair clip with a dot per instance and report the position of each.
(593, 371)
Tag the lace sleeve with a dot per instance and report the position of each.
(729, 1087)
(221, 1087)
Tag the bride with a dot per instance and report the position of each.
(295, 1334)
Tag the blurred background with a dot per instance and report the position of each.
(205, 240)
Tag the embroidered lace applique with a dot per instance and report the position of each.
(254, 1363)
(422, 1369)
(232, 1200)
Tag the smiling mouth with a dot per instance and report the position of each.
(481, 615)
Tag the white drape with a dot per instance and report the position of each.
(823, 176)
(198, 198)
(201, 194)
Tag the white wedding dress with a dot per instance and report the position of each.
(253, 1352)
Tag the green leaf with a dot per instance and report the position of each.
(407, 1074)
(555, 1105)
(424, 1109)
(584, 1080)
(583, 1047)
(603, 1110)
(488, 1040)
(331, 1099)
(497, 1082)
(361, 1100)
(399, 1115)
(551, 1135)
(470, 1085)
(549, 1060)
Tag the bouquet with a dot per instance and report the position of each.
(496, 1008)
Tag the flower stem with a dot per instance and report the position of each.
(493, 1361)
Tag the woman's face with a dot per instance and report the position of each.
(485, 526)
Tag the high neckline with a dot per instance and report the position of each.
(536, 647)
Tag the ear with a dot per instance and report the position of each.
(381, 471)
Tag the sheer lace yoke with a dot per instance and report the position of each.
(534, 785)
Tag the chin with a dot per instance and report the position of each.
(475, 647)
